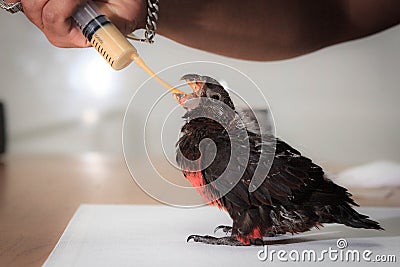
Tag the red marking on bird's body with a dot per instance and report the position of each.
(255, 234)
(197, 181)
(195, 178)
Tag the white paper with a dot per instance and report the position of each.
(131, 235)
(372, 175)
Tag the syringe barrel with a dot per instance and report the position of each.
(85, 14)
(104, 36)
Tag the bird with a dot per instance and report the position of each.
(295, 194)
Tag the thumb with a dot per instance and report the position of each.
(124, 25)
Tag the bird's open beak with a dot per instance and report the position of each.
(196, 83)
(181, 98)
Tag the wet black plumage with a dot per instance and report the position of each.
(295, 196)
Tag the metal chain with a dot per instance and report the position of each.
(152, 18)
(11, 7)
(151, 23)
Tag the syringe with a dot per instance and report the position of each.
(104, 36)
(110, 42)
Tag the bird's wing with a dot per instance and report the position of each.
(292, 180)
(290, 175)
(295, 180)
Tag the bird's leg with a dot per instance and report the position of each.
(227, 240)
(211, 240)
(225, 228)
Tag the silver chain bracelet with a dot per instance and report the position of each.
(151, 23)
(11, 7)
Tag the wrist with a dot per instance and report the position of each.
(149, 23)
(142, 14)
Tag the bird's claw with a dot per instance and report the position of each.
(211, 240)
(191, 237)
(226, 229)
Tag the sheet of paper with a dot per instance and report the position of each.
(371, 175)
(130, 235)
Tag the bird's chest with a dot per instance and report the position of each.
(189, 159)
(198, 182)
(195, 178)
(193, 157)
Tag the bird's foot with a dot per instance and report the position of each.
(225, 228)
(211, 240)
(257, 242)
(227, 240)
(273, 234)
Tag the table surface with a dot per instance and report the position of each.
(40, 193)
(121, 235)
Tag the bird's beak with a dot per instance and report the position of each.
(180, 97)
(196, 83)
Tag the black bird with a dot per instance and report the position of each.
(295, 195)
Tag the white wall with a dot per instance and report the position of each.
(338, 105)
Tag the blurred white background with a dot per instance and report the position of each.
(339, 105)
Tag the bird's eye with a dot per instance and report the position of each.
(216, 97)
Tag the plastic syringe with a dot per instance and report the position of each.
(110, 42)
(104, 36)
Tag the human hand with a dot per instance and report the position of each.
(54, 18)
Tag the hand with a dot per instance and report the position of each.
(53, 17)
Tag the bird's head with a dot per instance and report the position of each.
(204, 88)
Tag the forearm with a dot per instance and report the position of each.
(272, 30)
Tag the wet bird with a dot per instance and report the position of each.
(295, 194)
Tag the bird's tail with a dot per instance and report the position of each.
(346, 215)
